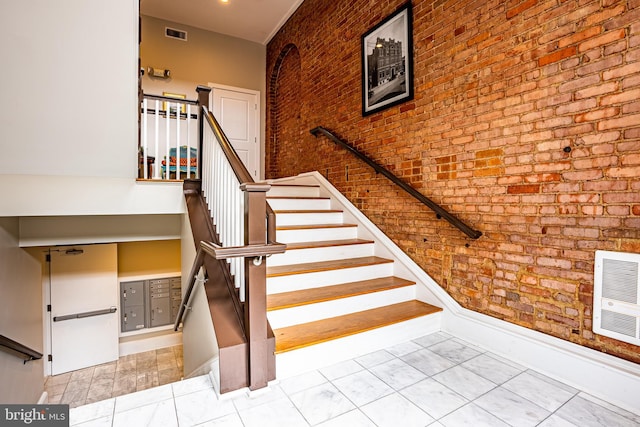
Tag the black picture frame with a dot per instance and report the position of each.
(387, 62)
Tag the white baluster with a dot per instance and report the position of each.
(144, 138)
(157, 139)
(166, 139)
(178, 107)
(188, 121)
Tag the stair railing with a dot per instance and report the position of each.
(439, 210)
(11, 346)
(239, 214)
(167, 124)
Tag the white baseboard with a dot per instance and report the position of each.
(44, 398)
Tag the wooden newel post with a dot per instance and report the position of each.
(255, 313)
(203, 101)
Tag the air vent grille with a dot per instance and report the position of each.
(620, 280)
(175, 34)
(620, 323)
(616, 303)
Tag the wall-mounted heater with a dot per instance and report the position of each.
(616, 296)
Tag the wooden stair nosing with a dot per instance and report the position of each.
(275, 184)
(304, 335)
(314, 267)
(314, 226)
(307, 211)
(327, 243)
(334, 292)
(297, 197)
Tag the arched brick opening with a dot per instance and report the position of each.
(283, 112)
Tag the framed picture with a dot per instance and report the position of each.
(177, 96)
(387, 62)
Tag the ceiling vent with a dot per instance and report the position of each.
(175, 34)
(616, 296)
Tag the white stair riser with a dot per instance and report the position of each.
(292, 363)
(331, 253)
(316, 234)
(300, 204)
(339, 307)
(283, 219)
(293, 191)
(295, 282)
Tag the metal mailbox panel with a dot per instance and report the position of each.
(159, 294)
(132, 293)
(159, 287)
(133, 318)
(160, 313)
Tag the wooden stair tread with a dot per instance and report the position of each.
(327, 243)
(313, 267)
(307, 334)
(297, 197)
(329, 293)
(311, 227)
(307, 211)
(294, 185)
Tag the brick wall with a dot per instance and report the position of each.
(525, 124)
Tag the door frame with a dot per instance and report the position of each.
(259, 119)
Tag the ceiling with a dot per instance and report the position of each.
(254, 20)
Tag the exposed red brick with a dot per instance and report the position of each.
(557, 56)
(523, 189)
(579, 36)
(501, 90)
(604, 39)
(521, 8)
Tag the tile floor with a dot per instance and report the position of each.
(437, 380)
(135, 372)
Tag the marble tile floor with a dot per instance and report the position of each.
(135, 372)
(437, 380)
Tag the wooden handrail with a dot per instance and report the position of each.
(169, 99)
(8, 343)
(440, 211)
(253, 251)
(239, 168)
(220, 252)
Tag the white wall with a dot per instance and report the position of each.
(20, 317)
(70, 73)
(70, 80)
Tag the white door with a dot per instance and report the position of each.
(84, 301)
(237, 111)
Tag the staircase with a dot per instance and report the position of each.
(331, 296)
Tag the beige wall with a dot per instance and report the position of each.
(205, 57)
(148, 258)
(20, 317)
